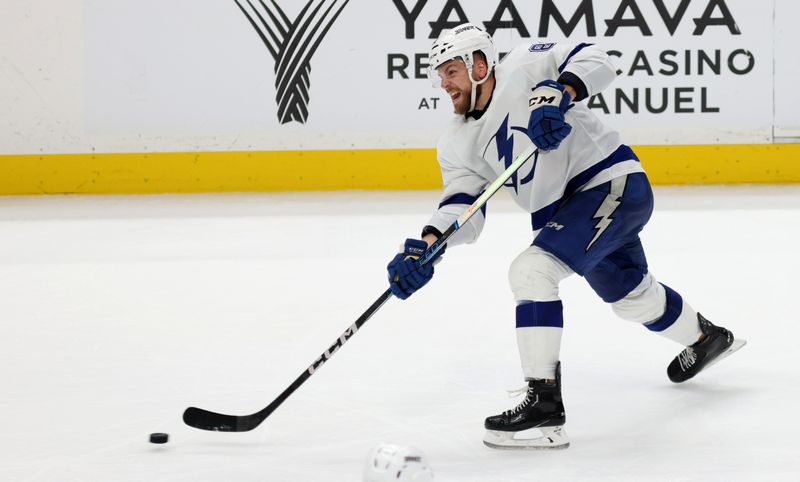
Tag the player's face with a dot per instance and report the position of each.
(455, 81)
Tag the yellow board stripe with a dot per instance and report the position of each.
(722, 164)
(378, 169)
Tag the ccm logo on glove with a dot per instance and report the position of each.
(545, 95)
(549, 101)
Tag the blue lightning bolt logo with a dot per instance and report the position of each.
(504, 143)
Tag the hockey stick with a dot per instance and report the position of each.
(205, 420)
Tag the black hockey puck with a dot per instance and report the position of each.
(159, 438)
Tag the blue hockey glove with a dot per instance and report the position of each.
(405, 275)
(546, 126)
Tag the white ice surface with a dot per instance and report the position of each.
(116, 313)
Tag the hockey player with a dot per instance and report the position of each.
(588, 197)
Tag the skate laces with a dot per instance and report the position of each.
(529, 395)
(518, 392)
(687, 358)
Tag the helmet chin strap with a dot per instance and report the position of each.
(473, 96)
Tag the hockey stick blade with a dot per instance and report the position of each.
(219, 422)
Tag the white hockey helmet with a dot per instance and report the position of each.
(462, 42)
(397, 463)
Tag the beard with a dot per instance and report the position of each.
(461, 105)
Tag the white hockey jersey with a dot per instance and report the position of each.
(474, 151)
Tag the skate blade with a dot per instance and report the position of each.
(735, 346)
(552, 438)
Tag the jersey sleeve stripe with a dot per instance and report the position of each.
(462, 198)
(577, 49)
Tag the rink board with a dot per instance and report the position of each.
(274, 171)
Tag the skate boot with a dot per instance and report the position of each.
(541, 410)
(716, 344)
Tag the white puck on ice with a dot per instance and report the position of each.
(159, 438)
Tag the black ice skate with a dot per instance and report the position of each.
(716, 345)
(542, 409)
